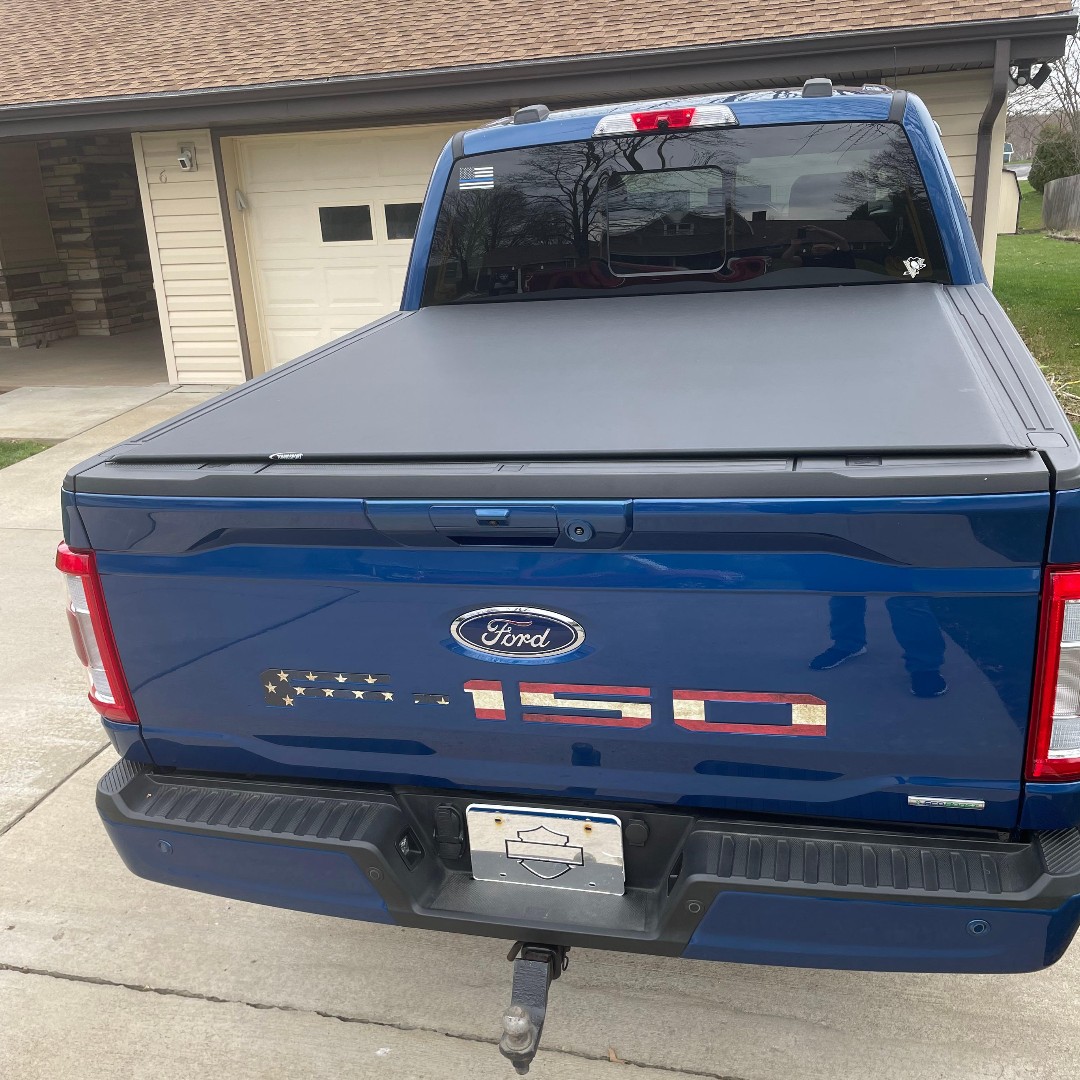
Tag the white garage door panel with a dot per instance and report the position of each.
(293, 342)
(397, 279)
(322, 160)
(309, 290)
(278, 219)
(349, 286)
(404, 159)
(289, 287)
(277, 159)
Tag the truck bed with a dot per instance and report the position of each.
(567, 398)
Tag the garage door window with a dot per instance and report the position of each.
(401, 219)
(344, 223)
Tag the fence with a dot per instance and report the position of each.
(1061, 205)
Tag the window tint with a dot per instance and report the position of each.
(401, 219)
(678, 211)
(345, 223)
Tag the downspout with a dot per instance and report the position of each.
(984, 149)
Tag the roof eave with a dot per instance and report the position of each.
(457, 89)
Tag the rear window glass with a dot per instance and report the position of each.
(682, 211)
(665, 221)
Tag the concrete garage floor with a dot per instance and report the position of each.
(136, 358)
(103, 975)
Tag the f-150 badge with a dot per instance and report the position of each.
(513, 634)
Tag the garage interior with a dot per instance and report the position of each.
(76, 286)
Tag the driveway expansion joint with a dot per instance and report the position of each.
(26, 811)
(167, 991)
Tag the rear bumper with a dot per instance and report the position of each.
(697, 887)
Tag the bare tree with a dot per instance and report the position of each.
(1058, 98)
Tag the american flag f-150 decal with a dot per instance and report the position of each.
(288, 686)
(586, 704)
(807, 712)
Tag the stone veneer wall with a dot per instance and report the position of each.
(35, 307)
(92, 191)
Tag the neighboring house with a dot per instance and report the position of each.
(251, 172)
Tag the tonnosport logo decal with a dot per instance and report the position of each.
(517, 632)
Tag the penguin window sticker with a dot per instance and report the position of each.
(914, 266)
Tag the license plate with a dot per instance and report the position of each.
(559, 849)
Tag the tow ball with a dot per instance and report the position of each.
(535, 966)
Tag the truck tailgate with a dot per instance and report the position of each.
(312, 638)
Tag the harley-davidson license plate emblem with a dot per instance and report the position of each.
(562, 849)
(517, 633)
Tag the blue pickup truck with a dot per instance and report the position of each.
(690, 567)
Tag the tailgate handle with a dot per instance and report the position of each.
(512, 523)
(492, 517)
(497, 524)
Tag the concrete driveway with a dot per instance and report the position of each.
(103, 975)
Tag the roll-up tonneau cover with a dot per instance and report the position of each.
(780, 379)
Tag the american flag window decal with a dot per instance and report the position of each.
(471, 177)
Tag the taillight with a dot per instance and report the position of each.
(1054, 742)
(93, 637)
(661, 120)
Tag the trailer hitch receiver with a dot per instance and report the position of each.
(523, 1022)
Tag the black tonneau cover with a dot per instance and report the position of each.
(859, 368)
(786, 380)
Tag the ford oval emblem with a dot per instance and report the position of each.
(517, 633)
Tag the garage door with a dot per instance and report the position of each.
(329, 221)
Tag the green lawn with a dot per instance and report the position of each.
(12, 450)
(1030, 208)
(1037, 281)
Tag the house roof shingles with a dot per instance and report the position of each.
(112, 48)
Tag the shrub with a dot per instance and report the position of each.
(1056, 155)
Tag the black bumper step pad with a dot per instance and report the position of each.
(888, 867)
(668, 888)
